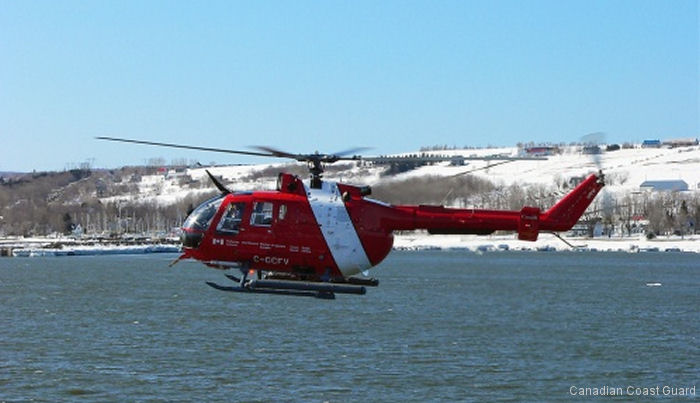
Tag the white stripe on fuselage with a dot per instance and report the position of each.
(337, 229)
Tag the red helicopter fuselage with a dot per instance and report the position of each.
(333, 231)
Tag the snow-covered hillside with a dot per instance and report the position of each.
(625, 171)
(150, 200)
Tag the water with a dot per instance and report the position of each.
(442, 326)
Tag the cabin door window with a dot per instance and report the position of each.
(262, 214)
(231, 219)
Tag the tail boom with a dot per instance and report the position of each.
(528, 222)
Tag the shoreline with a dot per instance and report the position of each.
(546, 243)
(41, 246)
(64, 246)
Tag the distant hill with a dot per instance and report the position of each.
(157, 199)
(10, 174)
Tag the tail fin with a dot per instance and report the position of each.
(563, 215)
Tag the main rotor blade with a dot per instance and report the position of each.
(277, 153)
(187, 147)
(316, 156)
(351, 151)
(595, 139)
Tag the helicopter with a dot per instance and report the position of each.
(313, 237)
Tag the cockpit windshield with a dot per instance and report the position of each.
(201, 217)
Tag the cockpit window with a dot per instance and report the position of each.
(231, 219)
(262, 214)
(201, 217)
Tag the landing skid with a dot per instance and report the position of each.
(271, 291)
(323, 290)
(368, 282)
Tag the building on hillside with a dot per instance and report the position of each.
(576, 180)
(457, 161)
(681, 143)
(591, 150)
(176, 172)
(676, 185)
(540, 151)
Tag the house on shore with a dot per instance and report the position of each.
(651, 144)
(676, 185)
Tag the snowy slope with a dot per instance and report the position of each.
(625, 170)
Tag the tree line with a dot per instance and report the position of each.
(46, 203)
(41, 204)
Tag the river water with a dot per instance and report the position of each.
(442, 326)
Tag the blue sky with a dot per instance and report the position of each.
(332, 75)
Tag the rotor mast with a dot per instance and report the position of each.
(316, 170)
